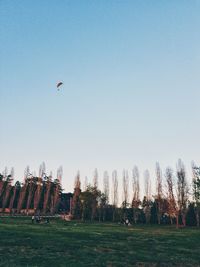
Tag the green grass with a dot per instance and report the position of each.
(96, 244)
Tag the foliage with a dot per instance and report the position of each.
(196, 192)
(35, 194)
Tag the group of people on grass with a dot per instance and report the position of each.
(125, 222)
(38, 219)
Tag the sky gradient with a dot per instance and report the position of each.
(131, 85)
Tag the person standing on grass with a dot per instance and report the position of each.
(33, 219)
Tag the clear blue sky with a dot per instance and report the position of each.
(131, 85)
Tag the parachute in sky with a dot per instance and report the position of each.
(59, 84)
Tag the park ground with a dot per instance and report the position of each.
(73, 243)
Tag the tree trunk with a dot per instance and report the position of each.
(177, 223)
(184, 219)
(21, 199)
(197, 217)
(159, 217)
(134, 219)
(99, 214)
(104, 214)
(83, 213)
(11, 204)
(113, 214)
(6, 199)
(47, 197)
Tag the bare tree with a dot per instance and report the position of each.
(125, 183)
(182, 191)
(26, 172)
(5, 173)
(3, 184)
(47, 183)
(57, 190)
(172, 207)
(40, 185)
(42, 170)
(115, 192)
(38, 193)
(147, 185)
(125, 186)
(95, 178)
(77, 181)
(12, 173)
(147, 198)
(105, 196)
(106, 186)
(136, 193)
(7, 189)
(85, 183)
(60, 174)
(31, 183)
(22, 196)
(13, 200)
(23, 190)
(159, 193)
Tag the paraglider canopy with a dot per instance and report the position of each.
(59, 84)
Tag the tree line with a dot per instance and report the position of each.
(175, 201)
(36, 194)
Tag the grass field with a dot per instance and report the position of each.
(94, 244)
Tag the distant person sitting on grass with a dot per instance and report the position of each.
(127, 222)
(38, 219)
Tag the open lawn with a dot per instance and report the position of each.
(96, 244)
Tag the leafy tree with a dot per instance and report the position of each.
(196, 192)
(89, 200)
(76, 201)
(102, 204)
(191, 218)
